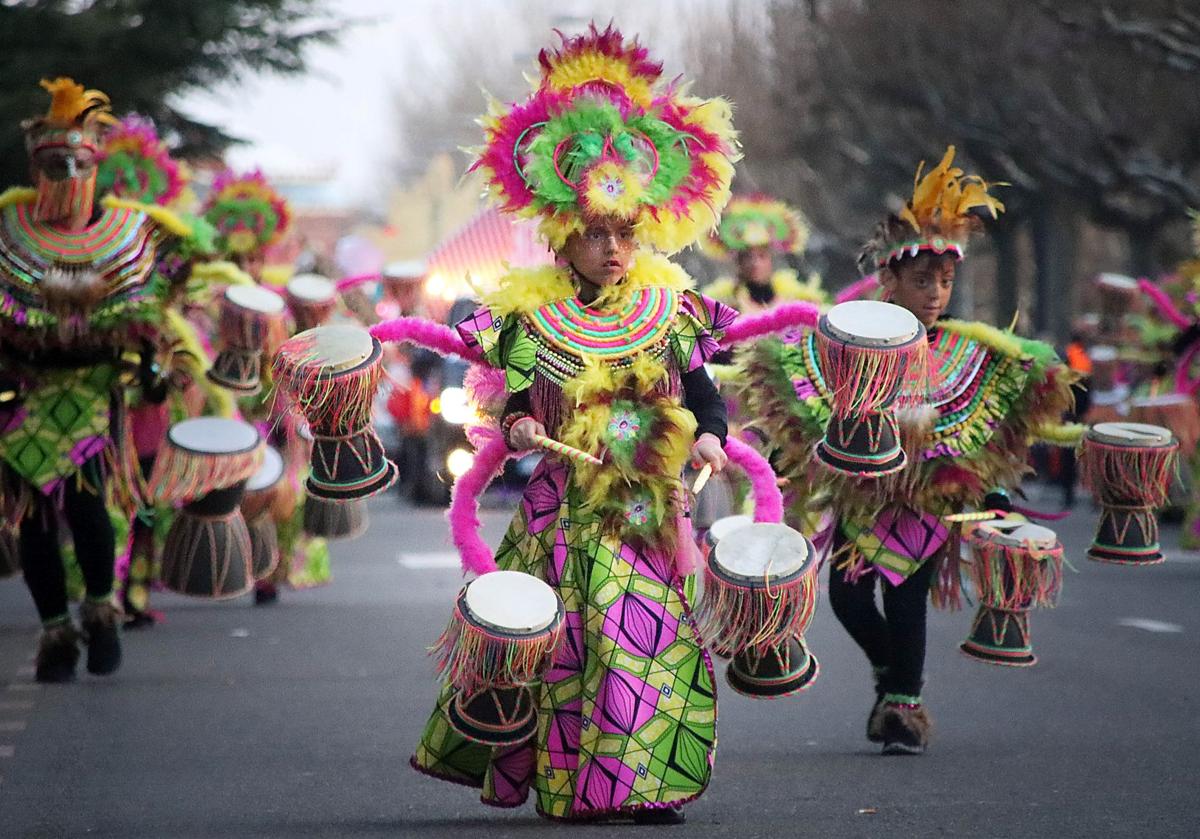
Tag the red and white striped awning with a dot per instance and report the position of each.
(480, 252)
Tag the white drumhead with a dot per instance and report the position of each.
(1117, 282)
(332, 347)
(1162, 400)
(1132, 434)
(1102, 353)
(759, 550)
(722, 527)
(213, 435)
(269, 473)
(311, 288)
(1021, 533)
(405, 270)
(512, 601)
(872, 323)
(255, 299)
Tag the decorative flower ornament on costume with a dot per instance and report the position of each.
(602, 135)
(752, 221)
(937, 218)
(247, 211)
(135, 164)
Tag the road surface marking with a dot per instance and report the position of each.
(1182, 556)
(12, 725)
(7, 751)
(432, 559)
(1150, 625)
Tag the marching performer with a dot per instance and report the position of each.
(80, 321)
(603, 352)
(989, 394)
(754, 229)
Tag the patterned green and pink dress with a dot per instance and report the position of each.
(627, 714)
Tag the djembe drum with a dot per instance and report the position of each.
(311, 299)
(247, 316)
(1118, 297)
(331, 374)
(1015, 566)
(1177, 412)
(870, 354)
(502, 636)
(334, 519)
(760, 592)
(1129, 467)
(261, 491)
(205, 464)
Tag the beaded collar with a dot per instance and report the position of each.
(115, 230)
(641, 323)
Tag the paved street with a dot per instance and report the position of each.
(298, 720)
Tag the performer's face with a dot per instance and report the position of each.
(922, 284)
(601, 253)
(754, 265)
(65, 179)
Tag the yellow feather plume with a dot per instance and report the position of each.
(69, 101)
(943, 198)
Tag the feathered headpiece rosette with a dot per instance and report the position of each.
(939, 218)
(602, 135)
(76, 118)
(135, 164)
(247, 212)
(753, 221)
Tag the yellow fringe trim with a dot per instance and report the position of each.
(17, 195)
(997, 339)
(1062, 434)
(195, 364)
(525, 290)
(221, 273)
(167, 219)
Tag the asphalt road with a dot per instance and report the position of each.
(298, 720)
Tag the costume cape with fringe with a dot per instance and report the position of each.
(627, 713)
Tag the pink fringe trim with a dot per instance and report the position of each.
(768, 500)
(426, 333)
(784, 316)
(860, 290)
(347, 283)
(491, 452)
(1164, 304)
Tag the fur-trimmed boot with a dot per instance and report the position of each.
(906, 725)
(875, 718)
(57, 653)
(101, 622)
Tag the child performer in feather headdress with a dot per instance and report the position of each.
(605, 351)
(990, 394)
(754, 230)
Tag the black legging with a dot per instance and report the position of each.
(92, 533)
(894, 641)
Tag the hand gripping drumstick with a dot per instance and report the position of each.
(702, 478)
(569, 452)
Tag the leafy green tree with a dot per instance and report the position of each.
(143, 53)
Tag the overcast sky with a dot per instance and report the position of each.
(340, 116)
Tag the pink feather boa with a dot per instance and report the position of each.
(490, 454)
(784, 316)
(426, 333)
(860, 290)
(1164, 304)
(768, 500)
(347, 283)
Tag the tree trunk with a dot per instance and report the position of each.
(1055, 229)
(1141, 251)
(1008, 285)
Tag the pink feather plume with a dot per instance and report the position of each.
(490, 454)
(859, 290)
(784, 316)
(426, 333)
(346, 283)
(768, 500)
(1164, 305)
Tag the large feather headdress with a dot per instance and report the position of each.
(247, 212)
(759, 221)
(135, 164)
(601, 135)
(76, 117)
(940, 216)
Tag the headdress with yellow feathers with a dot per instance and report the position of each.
(76, 118)
(939, 217)
(758, 220)
(247, 212)
(602, 135)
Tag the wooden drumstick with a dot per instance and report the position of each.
(982, 515)
(569, 452)
(702, 478)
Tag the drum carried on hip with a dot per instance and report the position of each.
(335, 519)
(1015, 566)
(760, 592)
(261, 491)
(247, 316)
(331, 374)
(502, 636)
(1129, 468)
(205, 463)
(871, 353)
(311, 299)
